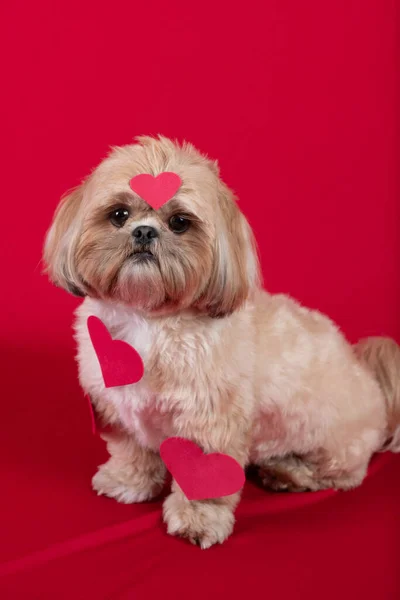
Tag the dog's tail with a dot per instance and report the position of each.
(382, 356)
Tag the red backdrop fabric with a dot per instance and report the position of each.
(299, 102)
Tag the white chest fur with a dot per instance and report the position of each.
(194, 370)
(137, 407)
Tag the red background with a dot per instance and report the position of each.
(297, 100)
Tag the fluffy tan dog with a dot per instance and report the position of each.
(227, 365)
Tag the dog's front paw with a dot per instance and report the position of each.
(204, 522)
(125, 486)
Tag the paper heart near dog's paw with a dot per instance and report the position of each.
(156, 191)
(120, 363)
(201, 476)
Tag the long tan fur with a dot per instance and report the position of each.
(227, 365)
(382, 356)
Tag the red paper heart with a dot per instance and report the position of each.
(199, 475)
(93, 423)
(120, 363)
(156, 191)
(96, 425)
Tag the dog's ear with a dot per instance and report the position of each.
(60, 244)
(236, 273)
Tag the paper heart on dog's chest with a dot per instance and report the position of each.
(201, 476)
(120, 363)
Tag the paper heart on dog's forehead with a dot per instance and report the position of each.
(156, 191)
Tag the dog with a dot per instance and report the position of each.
(227, 365)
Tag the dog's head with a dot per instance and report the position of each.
(197, 251)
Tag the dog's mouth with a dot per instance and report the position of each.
(143, 256)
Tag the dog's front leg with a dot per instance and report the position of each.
(204, 522)
(132, 473)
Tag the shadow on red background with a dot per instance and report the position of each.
(299, 102)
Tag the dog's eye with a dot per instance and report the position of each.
(119, 216)
(179, 224)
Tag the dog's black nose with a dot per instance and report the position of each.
(144, 234)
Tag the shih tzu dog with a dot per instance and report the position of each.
(227, 365)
